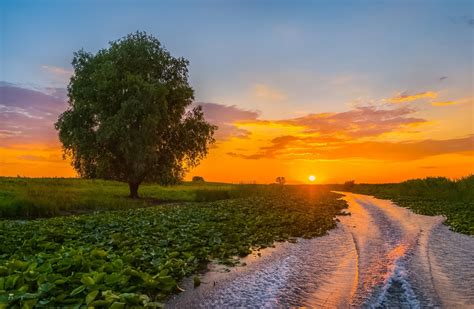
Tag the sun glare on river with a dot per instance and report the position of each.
(311, 178)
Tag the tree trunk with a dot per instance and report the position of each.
(133, 189)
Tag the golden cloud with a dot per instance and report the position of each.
(362, 121)
(444, 103)
(405, 97)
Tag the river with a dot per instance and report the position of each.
(380, 256)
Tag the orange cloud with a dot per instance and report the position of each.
(362, 121)
(405, 97)
(444, 103)
(310, 148)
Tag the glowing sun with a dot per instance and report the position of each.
(312, 178)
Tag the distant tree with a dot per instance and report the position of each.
(127, 118)
(349, 185)
(280, 180)
(198, 179)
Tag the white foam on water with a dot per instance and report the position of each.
(399, 275)
(380, 256)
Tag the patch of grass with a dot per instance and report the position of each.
(49, 197)
(136, 257)
(431, 196)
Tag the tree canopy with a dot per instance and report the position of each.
(129, 115)
(198, 179)
(280, 180)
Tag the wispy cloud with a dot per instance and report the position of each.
(407, 97)
(225, 117)
(444, 103)
(362, 121)
(268, 93)
(58, 70)
(28, 115)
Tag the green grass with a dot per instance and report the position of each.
(432, 196)
(49, 197)
(137, 256)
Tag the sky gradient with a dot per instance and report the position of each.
(375, 91)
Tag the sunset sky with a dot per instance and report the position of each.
(376, 91)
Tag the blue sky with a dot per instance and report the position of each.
(321, 55)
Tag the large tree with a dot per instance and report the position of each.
(129, 116)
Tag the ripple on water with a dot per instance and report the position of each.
(380, 256)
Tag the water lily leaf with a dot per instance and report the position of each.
(100, 303)
(11, 281)
(87, 280)
(117, 305)
(3, 271)
(99, 253)
(130, 298)
(110, 296)
(91, 296)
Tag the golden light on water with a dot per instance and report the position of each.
(312, 178)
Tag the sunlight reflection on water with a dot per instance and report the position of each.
(380, 256)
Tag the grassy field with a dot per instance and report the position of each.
(49, 197)
(136, 256)
(431, 196)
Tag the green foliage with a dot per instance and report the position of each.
(349, 185)
(127, 117)
(432, 196)
(280, 180)
(136, 257)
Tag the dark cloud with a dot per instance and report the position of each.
(225, 118)
(442, 78)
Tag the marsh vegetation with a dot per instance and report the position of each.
(137, 255)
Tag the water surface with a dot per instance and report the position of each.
(380, 256)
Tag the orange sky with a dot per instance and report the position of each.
(397, 138)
